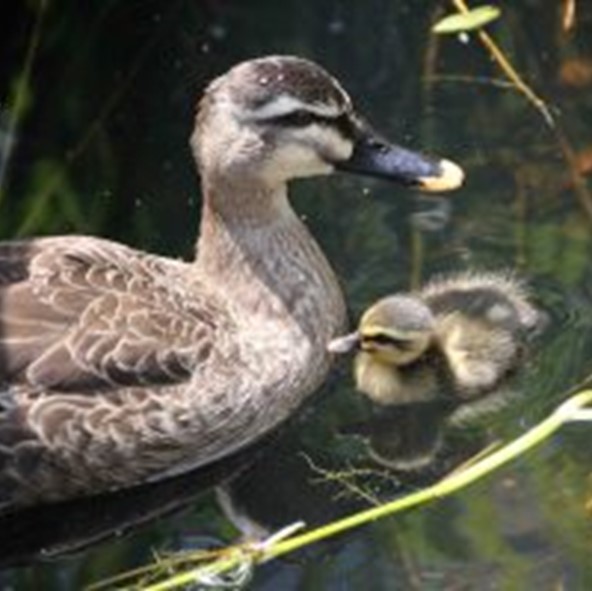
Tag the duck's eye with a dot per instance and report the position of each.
(300, 118)
(346, 126)
(343, 124)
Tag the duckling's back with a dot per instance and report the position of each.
(482, 321)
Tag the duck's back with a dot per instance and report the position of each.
(79, 313)
(91, 334)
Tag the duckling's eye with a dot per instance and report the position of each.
(379, 339)
(384, 340)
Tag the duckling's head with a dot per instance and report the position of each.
(396, 330)
(393, 333)
(281, 117)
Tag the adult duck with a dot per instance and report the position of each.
(119, 367)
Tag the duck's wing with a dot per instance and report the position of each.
(79, 314)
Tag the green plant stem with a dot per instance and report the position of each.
(539, 433)
(508, 69)
(570, 410)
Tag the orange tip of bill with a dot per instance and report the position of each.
(451, 177)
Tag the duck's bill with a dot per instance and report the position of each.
(344, 344)
(375, 157)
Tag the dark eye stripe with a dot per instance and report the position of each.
(346, 126)
(297, 119)
(384, 339)
(302, 118)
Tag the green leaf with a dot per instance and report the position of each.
(467, 21)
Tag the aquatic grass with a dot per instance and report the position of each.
(503, 62)
(499, 57)
(232, 567)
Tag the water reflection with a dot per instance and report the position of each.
(48, 531)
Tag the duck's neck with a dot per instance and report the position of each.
(256, 250)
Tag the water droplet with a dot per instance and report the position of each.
(218, 32)
(336, 27)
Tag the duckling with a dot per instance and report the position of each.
(119, 367)
(436, 358)
(462, 333)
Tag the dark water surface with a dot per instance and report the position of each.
(97, 107)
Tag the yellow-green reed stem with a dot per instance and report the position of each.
(564, 413)
(570, 410)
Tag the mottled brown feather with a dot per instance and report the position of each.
(78, 319)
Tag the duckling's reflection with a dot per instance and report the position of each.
(437, 358)
(427, 435)
(405, 437)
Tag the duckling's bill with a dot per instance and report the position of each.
(375, 157)
(344, 344)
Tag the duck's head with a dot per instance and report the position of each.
(276, 118)
(395, 331)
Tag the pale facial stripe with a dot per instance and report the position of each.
(286, 104)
